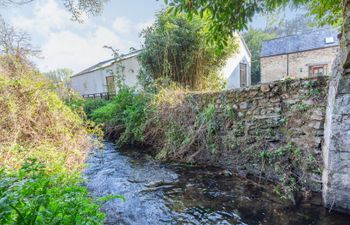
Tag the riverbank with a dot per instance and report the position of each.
(271, 131)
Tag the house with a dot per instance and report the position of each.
(302, 55)
(99, 80)
(237, 69)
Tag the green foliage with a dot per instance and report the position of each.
(33, 196)
(290, 163)
(90, 105)
(206, 119)
(36, 123)
(127, 110)
(326, 12)
(302, 107)
(230, 113)
(176, 48)
(227, 15)
(254, 39)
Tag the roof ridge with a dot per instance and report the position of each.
(120, 57)
(307, 32)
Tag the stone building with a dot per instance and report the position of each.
(303, 55)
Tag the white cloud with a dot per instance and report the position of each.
(48, 16)
(67, 49)
(65, 43)
(143, 25)
(122, 25)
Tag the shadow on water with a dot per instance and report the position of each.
(157, 193)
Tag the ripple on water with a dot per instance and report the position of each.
(171, 194)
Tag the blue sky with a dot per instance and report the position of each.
(65, 43)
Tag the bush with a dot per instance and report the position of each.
(31, 195)
(35, 122)
(127, 112)
(91, 105)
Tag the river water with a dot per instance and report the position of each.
(159, 193)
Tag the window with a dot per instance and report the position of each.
(317, 70)
(243, 74)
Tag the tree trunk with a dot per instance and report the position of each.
(336, 149)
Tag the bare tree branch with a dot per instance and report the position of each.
(16, 43)
(76, 7)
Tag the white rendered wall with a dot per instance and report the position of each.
(95, 81)
(231, 70)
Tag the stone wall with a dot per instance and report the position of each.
(336, 150)
(269, 130)
(275, 67)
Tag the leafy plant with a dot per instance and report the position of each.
(127, 110)
(31, 195)
(227, 15)
(176, 48)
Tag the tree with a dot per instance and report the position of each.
(76, 7)
(60, 76)
(229, 15)
(176, 48)
(299, 24)
(254, 39)
(14, 42)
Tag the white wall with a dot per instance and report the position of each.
(95, 81)
(231, 70)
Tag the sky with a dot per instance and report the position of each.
(68, 44)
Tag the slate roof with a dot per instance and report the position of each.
(300, 42)
(107, 63)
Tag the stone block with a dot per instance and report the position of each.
(316, 125)
(342, 104)
(344, 86)
(265, 88)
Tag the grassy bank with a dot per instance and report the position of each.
(43, 147)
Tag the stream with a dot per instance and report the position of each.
(159, 193)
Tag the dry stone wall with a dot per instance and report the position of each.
(272, 130)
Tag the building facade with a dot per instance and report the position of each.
(237, 69)
(298, 56)
(100, 79)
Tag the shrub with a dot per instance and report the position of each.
(127, 112)
(31, 195)
(91, 105)
(35, 122)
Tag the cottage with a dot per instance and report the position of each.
(303, 55)
(237, 69)
(99, 80)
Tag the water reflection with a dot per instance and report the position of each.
(173, 194)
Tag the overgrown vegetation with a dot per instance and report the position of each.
(43, 147)
(182, 125)
(176, 48)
